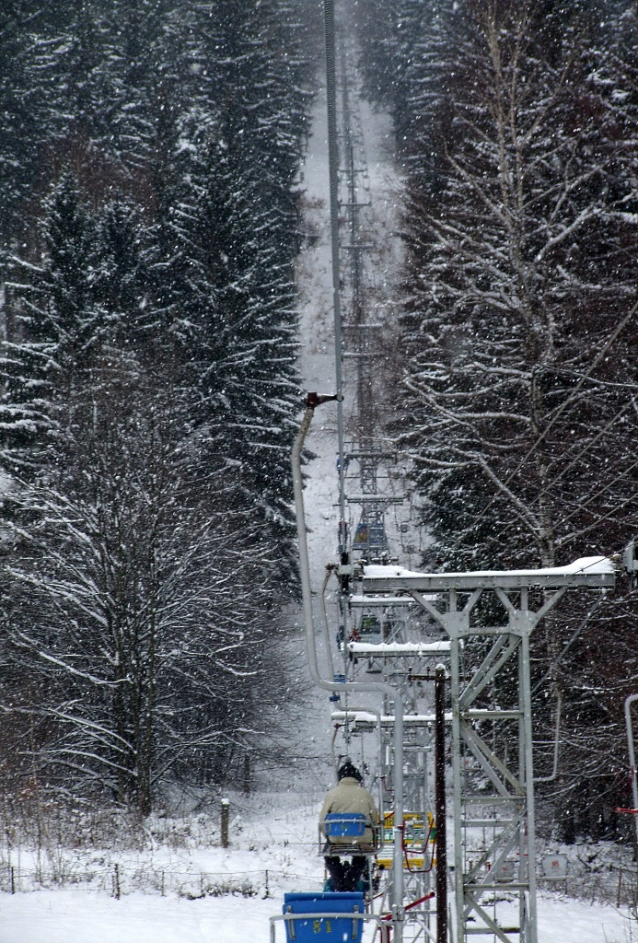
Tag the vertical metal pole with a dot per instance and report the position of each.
(439, 778)
(522, 768)
(453, 627)
(333, 168)
(526, 748)
(632, 757)
(397, 856)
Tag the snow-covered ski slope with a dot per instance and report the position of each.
(275, 833)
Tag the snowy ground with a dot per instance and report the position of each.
(273, 850)
(74, 916)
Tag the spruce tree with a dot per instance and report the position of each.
(150, 391)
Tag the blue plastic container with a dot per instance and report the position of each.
(324, 929)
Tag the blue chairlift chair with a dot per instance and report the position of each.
(343, 833)
(345, 825)
(307, 923)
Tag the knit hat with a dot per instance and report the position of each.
(348, 768)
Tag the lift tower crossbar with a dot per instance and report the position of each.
(493, 794)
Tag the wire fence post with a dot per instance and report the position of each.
(116, 882)
(224, 822)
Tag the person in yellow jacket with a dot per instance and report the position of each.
(349, 796)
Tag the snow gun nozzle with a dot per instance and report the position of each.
(316, 399)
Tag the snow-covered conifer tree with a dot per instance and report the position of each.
(520, 318)
(150, 389)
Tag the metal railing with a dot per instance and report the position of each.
(383, 925)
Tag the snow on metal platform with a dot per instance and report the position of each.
(398, 649)
(370, 719)
(588, 571)
(366, 602)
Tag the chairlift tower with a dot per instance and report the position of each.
(360, 334)
(490, 689)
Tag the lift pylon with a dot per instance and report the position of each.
(493, 792)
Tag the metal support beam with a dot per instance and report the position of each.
(333, 165)
(490, 688)
(439, 778)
